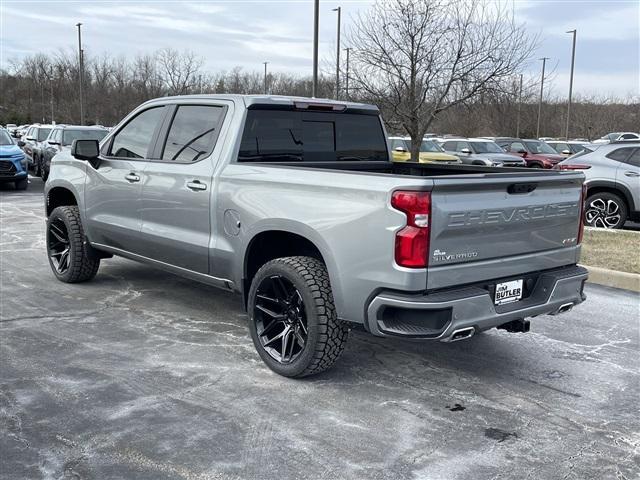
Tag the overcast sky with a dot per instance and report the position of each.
(246, 33)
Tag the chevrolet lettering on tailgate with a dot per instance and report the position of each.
(513, 215)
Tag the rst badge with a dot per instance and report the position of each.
(508, 292)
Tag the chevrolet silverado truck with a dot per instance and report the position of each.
(294, 204)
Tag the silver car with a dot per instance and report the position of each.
(613, 183)
(481, 151)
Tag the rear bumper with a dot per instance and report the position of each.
(437, 316)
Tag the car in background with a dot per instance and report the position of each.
(13, 163)
(21, 130)
(11, 128)
(34, 144)
(430, 152)
(567, 148)
(537, 154)
(61, 138)
(612, 174)
(480, 151)
(615, 136)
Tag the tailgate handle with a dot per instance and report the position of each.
(519, 188)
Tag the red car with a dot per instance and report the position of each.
(537, 154)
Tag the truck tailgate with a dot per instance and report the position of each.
(502, 225)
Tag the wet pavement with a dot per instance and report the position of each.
(141, 374)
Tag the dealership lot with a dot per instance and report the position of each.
(141, 374)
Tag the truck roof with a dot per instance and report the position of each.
(275, 100)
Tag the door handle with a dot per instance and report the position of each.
(132, 177)
(631, 174)
(196, 185)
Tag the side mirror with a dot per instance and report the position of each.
(566, 152)
(21, 143)
(465, 150)
(87, 150)
(400, 149)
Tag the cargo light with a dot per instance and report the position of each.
(412, 242)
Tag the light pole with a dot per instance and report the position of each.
(573, 58)
(81, 74)
(265, 77)
(339, 10)
(544, 62)
(346, 80)
(519, 108)
(316, 23)
(51, 85)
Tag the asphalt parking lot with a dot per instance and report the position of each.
(141, 374)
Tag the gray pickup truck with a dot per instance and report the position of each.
(294, 204)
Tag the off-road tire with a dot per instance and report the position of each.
(83, 266)
(327, 335)
(36, 166)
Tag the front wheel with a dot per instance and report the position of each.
(22, 184)
(293, 321)
(605, 210)
(36, 166)
(67, 250)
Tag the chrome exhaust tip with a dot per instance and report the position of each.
(461, 334)
(564, 308)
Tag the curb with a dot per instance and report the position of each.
(613, 278)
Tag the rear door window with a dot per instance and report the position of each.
(620, 154)
(634, 159)
(193, 133)
(277, 136)
(134, 139)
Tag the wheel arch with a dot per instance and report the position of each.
(270, 243)
(59, 196)
(614, 188)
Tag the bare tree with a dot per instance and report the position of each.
(179, 71)
(419, 58)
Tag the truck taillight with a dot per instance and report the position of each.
(412, 242)
(583, 201)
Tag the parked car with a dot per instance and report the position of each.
(429, 151)
(537, 154)
(480, 151)
(11, 128)
(567, 148)
(34, 145)
(13, 163)
(612, 174)
(615, 136)
(271, 197)
(61, 138)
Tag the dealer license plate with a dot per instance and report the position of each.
(508, 292)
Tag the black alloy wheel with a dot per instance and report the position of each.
(59, 247)
(280, 317)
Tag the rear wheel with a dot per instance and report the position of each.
(293, 322)
(67, 249)
(605, 210)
